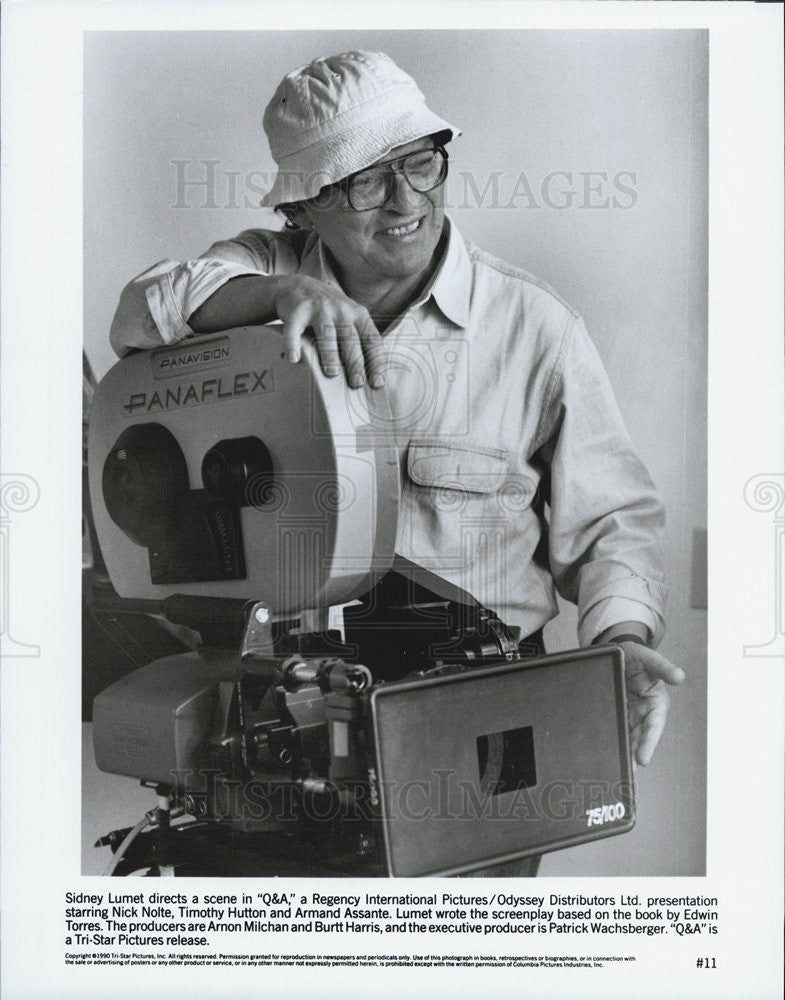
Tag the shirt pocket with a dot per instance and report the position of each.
(453, 494)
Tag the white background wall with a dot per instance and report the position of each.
(529, 103)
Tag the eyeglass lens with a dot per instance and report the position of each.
(423, 170)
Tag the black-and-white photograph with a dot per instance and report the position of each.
(391, 499)
(395, 452)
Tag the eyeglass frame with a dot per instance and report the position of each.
(391, 167)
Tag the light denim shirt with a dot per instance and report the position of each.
(518, 476)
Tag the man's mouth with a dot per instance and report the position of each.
(405, 230)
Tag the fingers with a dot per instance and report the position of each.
(339, 348)
(351, 355)
(327, 346)
(646, 735)
(648, 675)
(648, 704)
(373, 351)
(346, 337)
(294, 326)
(644, 666)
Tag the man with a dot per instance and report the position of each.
(514, 428)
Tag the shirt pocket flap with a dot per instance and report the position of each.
(470, 469)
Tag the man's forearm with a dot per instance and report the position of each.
(248, 299)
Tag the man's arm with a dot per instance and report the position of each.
(241, 283)
(606, 519)
(345, 334)
(604, 533)
(155, 307)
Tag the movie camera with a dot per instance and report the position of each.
(245, 499)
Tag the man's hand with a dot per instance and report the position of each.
(648, 674)
(346, 336)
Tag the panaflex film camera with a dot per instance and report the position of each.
(240, 497)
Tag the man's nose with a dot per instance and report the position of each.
(401, 195)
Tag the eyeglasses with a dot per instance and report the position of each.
(423, 170)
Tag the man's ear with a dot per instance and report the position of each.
(295, 215)
(298, 216)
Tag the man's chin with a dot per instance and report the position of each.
(411, 261)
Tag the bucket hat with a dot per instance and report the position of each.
(339, 114)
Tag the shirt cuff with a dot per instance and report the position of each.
(625, 631)
(178, 294)
(614, 611)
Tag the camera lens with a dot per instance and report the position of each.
(237, 468)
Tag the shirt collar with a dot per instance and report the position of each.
(450, 286)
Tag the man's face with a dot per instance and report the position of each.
(397, 240)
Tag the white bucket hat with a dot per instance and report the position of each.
(340, 114)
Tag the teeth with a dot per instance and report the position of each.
(401, 230)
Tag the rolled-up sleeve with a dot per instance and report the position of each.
(154, 308)
(606, 520)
